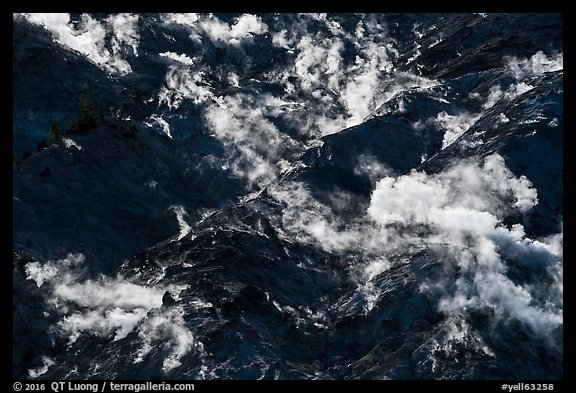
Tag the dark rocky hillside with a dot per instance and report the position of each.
(288, 196)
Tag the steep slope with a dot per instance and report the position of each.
(289, 196)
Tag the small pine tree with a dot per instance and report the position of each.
(85, 106)
(46, 172)
(42, 145)
(132, 132)
(87, 118)
(56, 134)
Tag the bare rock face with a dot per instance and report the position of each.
(285, 196)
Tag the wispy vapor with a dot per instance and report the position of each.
(89, 37)
(536, 65)
(112, 308)
(459, 212)
(256, 146)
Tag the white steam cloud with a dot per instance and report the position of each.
(536, 65)
(256, 145)
(242, 31)
(112, 308)
(358, 88)
(321, 94)
(454, 125)
(458, 212)
(46, 363)
(158, 122)
(167, 330)
(462, 210)
(185, 19)
(420, 198)
(458, 124)
(521, 70)
(89, 37)
(181, 212)
(181, 58)
(184, 83)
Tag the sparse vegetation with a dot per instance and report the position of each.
(56, 134)
(87, 118)
(42, 145)
(46, 172)
(132, 132)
